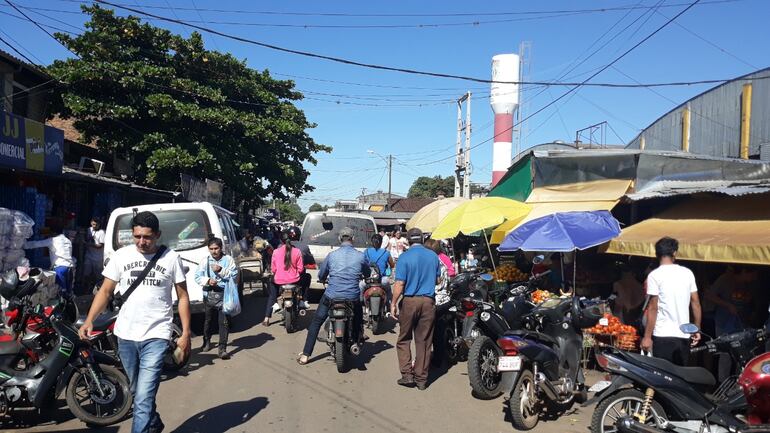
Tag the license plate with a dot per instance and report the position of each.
(509, 363)
(600, 386)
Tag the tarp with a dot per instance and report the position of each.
(567, 231)
(719, 229)
(584, 196)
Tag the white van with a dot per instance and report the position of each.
(185, 227)
(321, 231)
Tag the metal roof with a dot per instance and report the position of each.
(670, 188)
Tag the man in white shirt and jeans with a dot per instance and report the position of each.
(60, 253)
(672, 293)
(145, 319)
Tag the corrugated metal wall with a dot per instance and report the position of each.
(715, 121)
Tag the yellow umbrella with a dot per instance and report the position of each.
(479, 214)
(427, 218)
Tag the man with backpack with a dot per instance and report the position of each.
(142, 276)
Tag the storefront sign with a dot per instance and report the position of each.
(30, 145)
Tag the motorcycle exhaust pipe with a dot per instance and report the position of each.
(630, 425)
(302, 312)
(355, 349)
(547, 387)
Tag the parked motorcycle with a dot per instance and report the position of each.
(375, 301)
(290, 296)
(541, 363)
(96, 390)
(660, 395)
(341, 333)
(504, 311)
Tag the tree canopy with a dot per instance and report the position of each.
(317, 207)
(172, 107)
(430, 187)
(290, 211)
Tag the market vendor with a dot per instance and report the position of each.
(629, 297)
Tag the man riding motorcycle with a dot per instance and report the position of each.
(343, 269)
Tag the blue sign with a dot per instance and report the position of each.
(31, 145)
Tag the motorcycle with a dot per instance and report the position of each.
(541, 363)
(375, 301)
(660, 395)
(341, 333)
(96, 390)
(490, 320)
(290, 296)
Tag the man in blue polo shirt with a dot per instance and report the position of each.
(417, 273)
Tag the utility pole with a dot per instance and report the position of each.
(463, 156)
(390, 180)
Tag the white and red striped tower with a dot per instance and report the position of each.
(505, 101)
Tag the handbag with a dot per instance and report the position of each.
(120, 298)
(214, 298)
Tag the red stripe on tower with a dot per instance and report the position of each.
(504, 100)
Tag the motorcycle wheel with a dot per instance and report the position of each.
(485, 381)
(95, 410)
(524, 404)
(341, 355)
(168, 359)
(624, 403)
(288, 320)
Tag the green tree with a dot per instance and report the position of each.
(430, 187)
(290, 211)
(174, 107)
(317, 207)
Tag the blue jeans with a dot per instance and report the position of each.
(143, 361)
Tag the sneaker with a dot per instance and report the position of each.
(406, 381)
(206, 346)
(276, 308)
(304, 305)
(422, 386)
(223, 354)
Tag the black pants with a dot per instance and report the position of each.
(224, 332)
(322, 313)
(676, 350)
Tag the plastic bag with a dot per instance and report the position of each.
(231, 305)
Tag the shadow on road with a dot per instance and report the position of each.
(250, 342)
(26, 418)
(222, 418)
(368, 352)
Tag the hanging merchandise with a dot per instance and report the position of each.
(15, 229)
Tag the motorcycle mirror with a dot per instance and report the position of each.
(689, 328)
(538, 259)
(487, 277)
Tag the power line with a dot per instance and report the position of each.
(402, 15)
(17, 51)
(568, 92)
(383, 67)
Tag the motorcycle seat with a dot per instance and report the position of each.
(696, 375)
(10, 347)
(533, 335)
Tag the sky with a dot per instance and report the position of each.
(414, 118)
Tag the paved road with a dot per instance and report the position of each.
(262, 389)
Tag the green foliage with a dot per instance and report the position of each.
(317, 207)
(430, 187)
(290, 211)
(174, 107)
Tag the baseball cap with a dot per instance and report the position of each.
(346, 232)
(414, 235)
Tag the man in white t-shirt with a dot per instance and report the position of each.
(397, 245)
(672, 293)
(94, 257)
(145, 319)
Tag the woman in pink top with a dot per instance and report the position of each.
(286, 265)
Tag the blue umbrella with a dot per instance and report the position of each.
(563, 231)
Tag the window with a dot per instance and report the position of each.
(320, 231)
(180, 229)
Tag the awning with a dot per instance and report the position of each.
(720, 229)
(584, 196)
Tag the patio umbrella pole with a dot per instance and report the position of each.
(489, 248)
